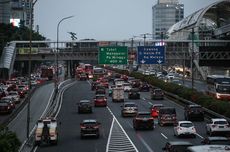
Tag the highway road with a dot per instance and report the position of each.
(122, 134)
(39, 101)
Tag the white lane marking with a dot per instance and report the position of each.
(110, 132)
(143, 98)
(34, 125)
(143, 142)
(122, 129)
(164, 136)
(199, 136)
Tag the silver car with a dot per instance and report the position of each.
(129, 109)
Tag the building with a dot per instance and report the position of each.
(16, 12)
(164, 14)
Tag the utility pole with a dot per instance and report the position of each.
(192, 58)
(29, 75)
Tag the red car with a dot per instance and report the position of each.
(143, 120)
(5, 107)
(100, 100)
(105, 83)
(154, 110)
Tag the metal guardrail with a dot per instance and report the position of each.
(28, 145)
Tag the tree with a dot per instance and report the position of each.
(8, 140)
(8, 33)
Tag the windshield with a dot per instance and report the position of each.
(187, 125)
(223, 88)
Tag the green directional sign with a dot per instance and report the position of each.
(113, 55)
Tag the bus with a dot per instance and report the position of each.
(218, 86)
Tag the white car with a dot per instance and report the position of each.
(170, 76)
(217, 125)
(15, 96)
(127, 87)
(185, 128)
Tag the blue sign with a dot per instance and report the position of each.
(151, 55)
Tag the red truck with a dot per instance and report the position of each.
(47, 73)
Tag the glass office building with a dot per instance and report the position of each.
(164, 14)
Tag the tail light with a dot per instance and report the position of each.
(193, 129)
(213, 126)
(8, 107)
(178, 128)
(83, 127)
(95, 127)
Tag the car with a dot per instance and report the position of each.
(90, 127)
(85, 106)
(129, 109)
(170, 76)
(176, 81)
(157, 93)
(136, 83)
(143, 120)
(127, 87)
(100, 100)
(184, 128)
(144, 87)
(100, 90)
(134, 93)
(94, 84)
(167, 115)
(154, 109)
(218, 126)
(208, 148)
(217, 140)
(105, 83)
(5, 107)
(83, 76)
(10, 100)
(192, 112)
(15, 96)
(176, 146)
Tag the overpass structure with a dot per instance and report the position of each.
(201, 40)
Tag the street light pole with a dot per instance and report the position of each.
(56, 54)
(28, 108)
(192, 58)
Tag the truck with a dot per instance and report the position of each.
(46, 131)
(47, 73)
(118, 94)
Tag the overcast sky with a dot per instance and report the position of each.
(101, 19)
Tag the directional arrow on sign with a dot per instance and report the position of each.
(142, 61)
(159, 61)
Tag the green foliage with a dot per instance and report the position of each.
(11, 33)
(221, 107)
(8, 140)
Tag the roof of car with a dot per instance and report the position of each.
(193, 105)
(89, 120)
(158, 105)
(217, 138)
(143, 113)
(180, 143)
(180, 122)
(218, 119)
(100, 95)
(209, 148)
(130, 102)
(84, 101)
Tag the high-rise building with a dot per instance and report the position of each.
(164, 14)
(16, 11)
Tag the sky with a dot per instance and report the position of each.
(100, 19)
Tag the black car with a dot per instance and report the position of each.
(144, 87)
(94, 84)
(157, 93)
(90, 127)
(143, 120)
(100, 91)
(192, 112)
(167, 115)
(176, 146)
(134, 93)
(216, 140)
(5, 107)
(85, 106)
